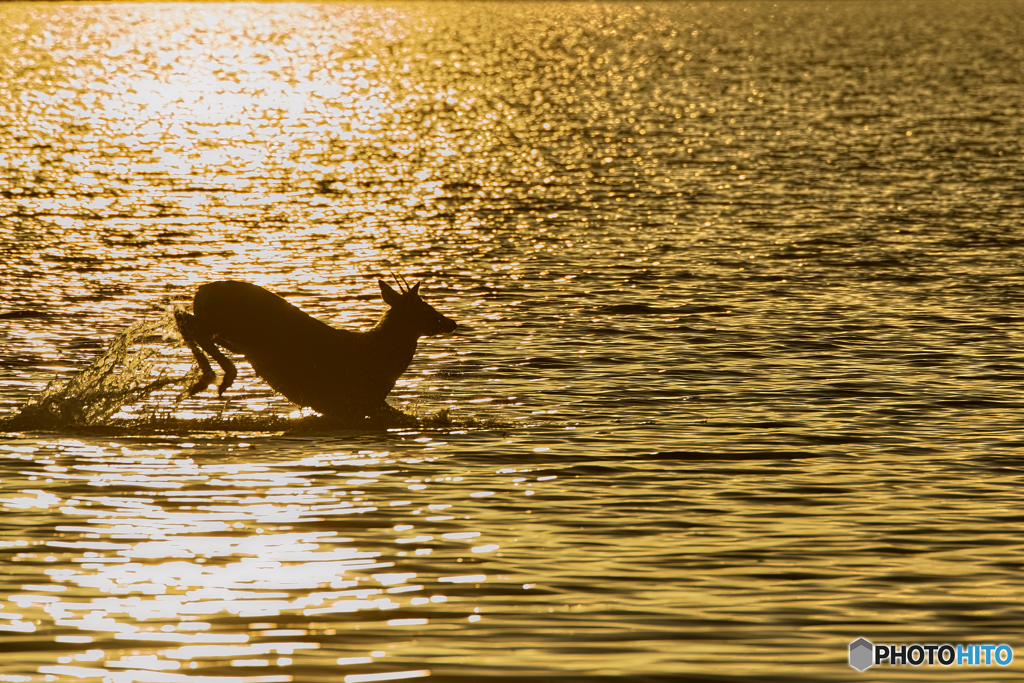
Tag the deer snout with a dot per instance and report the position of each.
(444, 326)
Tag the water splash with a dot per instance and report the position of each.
(128, 372)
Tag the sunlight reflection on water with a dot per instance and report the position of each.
(188, 547)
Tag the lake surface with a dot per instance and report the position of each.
(738, 377)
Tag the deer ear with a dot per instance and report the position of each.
(390, 296)
(415, 289)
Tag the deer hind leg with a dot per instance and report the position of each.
(223, 361)
(187, 329)
(198, 342)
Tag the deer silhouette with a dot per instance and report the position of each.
(339, 373)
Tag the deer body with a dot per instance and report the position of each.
(339, 373)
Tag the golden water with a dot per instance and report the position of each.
(736, 381)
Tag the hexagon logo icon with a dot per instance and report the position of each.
(862, 654)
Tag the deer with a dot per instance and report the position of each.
(338, 373)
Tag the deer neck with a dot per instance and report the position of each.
(395, 339)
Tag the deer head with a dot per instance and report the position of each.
(413, 313)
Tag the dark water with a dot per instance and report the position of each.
(738, 375)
